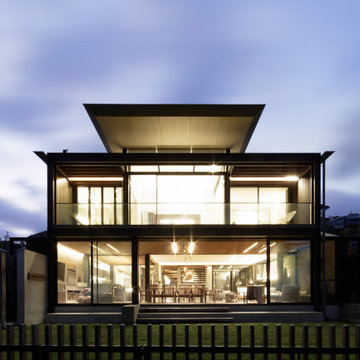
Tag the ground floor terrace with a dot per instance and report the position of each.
(235, 271)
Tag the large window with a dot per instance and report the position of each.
(99, 205)
(227, 271)
(177, 199)
(290, 271)
(94, 272)
(259, 205)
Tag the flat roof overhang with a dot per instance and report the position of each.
(186, 127)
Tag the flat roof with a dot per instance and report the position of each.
(125, 126)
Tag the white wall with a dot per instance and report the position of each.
(32, 294)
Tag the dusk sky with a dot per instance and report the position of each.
(300, 58)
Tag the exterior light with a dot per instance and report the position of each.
(174, 247)
(87, 178)
(249, 248)
(111, 247)
(191, 247)
(275, 178)
(213, 168)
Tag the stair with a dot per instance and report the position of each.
(165, 314)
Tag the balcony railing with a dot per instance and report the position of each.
(184, 213)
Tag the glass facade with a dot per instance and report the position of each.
(94, 272)
(290, 271)
(229, 271)
(177, 199)
(182, 199)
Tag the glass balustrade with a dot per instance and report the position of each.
(184, 213)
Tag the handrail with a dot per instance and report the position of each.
(204, 213)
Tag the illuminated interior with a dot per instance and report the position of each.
(229, 272)
(97, 272)
(184, 194)
(177, 199)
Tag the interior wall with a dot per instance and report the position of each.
(304, 200)
(64, 196)
(64, 191)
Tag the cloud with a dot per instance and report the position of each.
(19, 222)
(342, 203)
(298, 58)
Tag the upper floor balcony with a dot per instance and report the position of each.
(241, 194)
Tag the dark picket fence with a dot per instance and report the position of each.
(69, 345)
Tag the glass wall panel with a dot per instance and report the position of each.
(244, 209)
(108, 205)
(109, 270)
(177, 199)
(290, 270)
(112, 271)
(74, 285)
(119, 205)
(208, 271)
(260, 205)
(95, 207)
(98, 205)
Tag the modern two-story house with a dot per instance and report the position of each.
(177, 212)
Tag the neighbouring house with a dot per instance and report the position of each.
(177, 212)
(346, 225)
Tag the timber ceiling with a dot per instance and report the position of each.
(97, 170)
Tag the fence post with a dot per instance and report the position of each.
(161, 340)
(318, 340)
(265, 341)
(292, 341)
(199, 340)
(332, 341)
(122, 341)
(72, 335)
(238, 341)
(226, 342)
(97, 341)
(149, 342)
(22, 340)
(136, 353)
(173, 340)
(60, 340)
(187, 342)
(346, 341)
(252, 341)
(305, 335)
(85, 341)
(213, 343)
(35, 341)
(10, 340)
(48, 340)
(278, 341)
(110, 340)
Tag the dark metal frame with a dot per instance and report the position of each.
(135, 232)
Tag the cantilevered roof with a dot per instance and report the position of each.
(185, 127)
